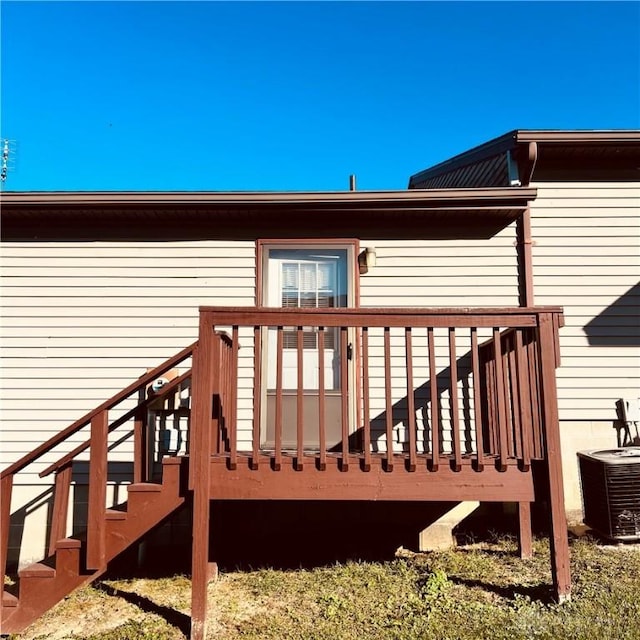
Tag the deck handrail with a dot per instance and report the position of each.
(382, 316)
(54, 441)
(501, 368)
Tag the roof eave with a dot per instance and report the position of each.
(346, 199)
(485, 150)
(518, 139)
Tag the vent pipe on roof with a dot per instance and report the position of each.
(352, 182)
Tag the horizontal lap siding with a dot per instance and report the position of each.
(82, 320)
(586, 258)
(444, 273)
(433, 273)
(79, 320)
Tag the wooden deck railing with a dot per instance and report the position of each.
(100, 426)
(463, 386)
(406, 389)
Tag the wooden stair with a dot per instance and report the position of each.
(42, 584)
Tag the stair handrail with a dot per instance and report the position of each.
(97, 416)
(158, 395)
(141, 382)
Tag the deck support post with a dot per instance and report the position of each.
(96, 533)
(524, 243)
(558, 519)
(525, 548)
(205, 381)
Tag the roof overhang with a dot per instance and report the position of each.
(526, 155)
(151, 215)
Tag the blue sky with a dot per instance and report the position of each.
(297, 95)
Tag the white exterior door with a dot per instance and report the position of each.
(306, 278)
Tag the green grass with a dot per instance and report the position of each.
(479, 591)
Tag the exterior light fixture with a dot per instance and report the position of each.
(367, 259)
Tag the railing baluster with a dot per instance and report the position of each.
(500, 395)
(300, 401)
(322, 433)
(556, 339)
(477, 408)
(257, 395)
(433, 392)
(388, 398)
(226, 404)
(278, 416)
(96, 530)
(60, 507)
(534, 387)
(455, 412)
(524, 399)
(218, 441)
(6, 484)
(232, 417)
(366, 444)
(223, 430)
(506, 387)
(515, 384)
(140, 446)
(411, 408)
(490, 382)
(344, 392)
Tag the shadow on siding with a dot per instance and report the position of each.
(619, 324)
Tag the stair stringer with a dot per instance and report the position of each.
(42, 585)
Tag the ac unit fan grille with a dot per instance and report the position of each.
(623, 481)
(611, 495)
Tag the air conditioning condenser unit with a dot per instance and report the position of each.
(611, 491)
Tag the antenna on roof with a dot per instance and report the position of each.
(7, 149)
(352, 182)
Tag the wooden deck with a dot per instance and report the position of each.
(332, 404)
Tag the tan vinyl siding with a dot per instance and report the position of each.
(442, 273)
(586, 258)
(81, 320)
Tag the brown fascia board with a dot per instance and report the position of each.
(401, 199)
(587, 136)
(509, 142)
